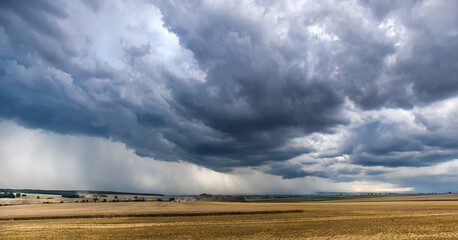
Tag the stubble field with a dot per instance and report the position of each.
(317, 220)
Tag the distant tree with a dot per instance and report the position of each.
(38, 197)
(104, 200)
(159, 200)
(115, 197)
(171, 199)
(18, 194)
(24, 195)
(61, 201)
(7, 195)
(70, 195)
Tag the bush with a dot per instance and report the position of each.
(7, 195)
(18, 194)
(171, 199)
(159, 200)
(70, 195)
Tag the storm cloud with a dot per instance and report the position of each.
(344, 90)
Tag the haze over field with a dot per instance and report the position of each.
(254, 97)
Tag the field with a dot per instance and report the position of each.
(31, 198)
(316, 220)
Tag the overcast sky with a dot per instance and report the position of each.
(229, 96)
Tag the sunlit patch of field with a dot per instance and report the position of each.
(117, 209)
(351, 220)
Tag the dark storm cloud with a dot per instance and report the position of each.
(33, 27)
(380, 9)
(289, 171)
(272, 75)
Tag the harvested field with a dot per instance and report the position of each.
(31, 198)
(109, 209)
(319, 220)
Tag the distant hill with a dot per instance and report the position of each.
(204, 197)
(352, 197)
(72, 192)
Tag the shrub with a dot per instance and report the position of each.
(7, 195)
(70, 195)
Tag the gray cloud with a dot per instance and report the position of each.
(232, 85)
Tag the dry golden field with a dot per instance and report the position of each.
(116, 209)
(31, 198)
(350, 220)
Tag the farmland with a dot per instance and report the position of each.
(315, 220)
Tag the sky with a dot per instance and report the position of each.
(229, 97)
